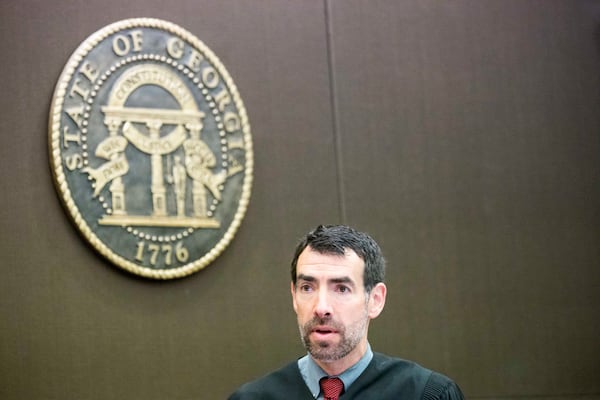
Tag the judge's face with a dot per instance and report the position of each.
(332, 305)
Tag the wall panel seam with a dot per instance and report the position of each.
(337, 137)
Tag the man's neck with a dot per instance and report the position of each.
(311, 371)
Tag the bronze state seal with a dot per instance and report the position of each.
(150, 148)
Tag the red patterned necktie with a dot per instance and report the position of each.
(331, 387)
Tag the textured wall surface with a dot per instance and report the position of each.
(463, 135)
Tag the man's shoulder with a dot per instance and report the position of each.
(272, 385)
(395, 375)
(387, 361)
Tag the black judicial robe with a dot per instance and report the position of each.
(384, 378)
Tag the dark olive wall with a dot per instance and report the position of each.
(463, 135)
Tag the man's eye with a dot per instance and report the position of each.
(305, 288)
(343, 289)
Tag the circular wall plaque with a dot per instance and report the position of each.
(150, 148)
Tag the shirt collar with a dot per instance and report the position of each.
(312, 373)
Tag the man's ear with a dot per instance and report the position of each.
(377, 300)
(293, 290)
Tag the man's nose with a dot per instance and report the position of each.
(323, 307)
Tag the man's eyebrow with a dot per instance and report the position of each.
(344, 279)
(307, 278)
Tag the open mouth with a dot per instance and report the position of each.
(323, 331)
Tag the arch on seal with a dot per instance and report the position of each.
(119, 119)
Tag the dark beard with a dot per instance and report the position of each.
(324, 351)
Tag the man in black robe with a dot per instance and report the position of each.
(337, 288)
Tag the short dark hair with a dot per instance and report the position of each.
(335, 239)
